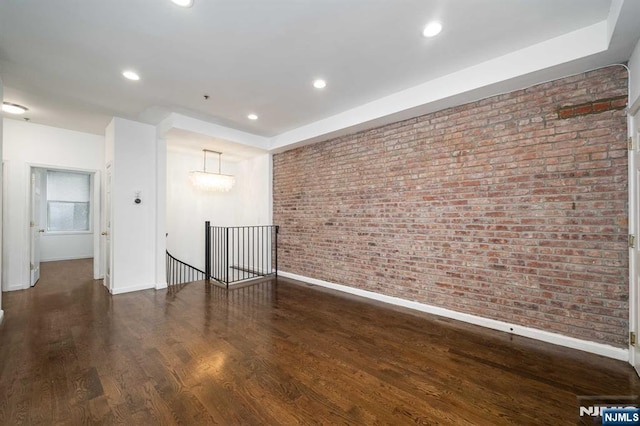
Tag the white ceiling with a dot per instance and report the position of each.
(63, 58)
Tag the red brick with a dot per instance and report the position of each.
(601, 106)
(583, 109)
(513, 208)
(566, 112)
(619, 103)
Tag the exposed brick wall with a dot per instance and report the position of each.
(595, 107)
(498, 208)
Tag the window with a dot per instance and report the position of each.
(68, 195)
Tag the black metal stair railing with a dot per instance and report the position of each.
(179, 272)
(240, 253)
(232, 254)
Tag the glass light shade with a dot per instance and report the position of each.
(131, 75)
(13, 108)
(319, 84)
(432, 29)
(212, 181)
(183, 3)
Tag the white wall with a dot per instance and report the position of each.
(253, 186)
(1, 207)
(66, 246)
(26, 145)
(248, 202)
(634, 76)
(132, 148)
(188, 208)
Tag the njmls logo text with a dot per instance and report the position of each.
(608, 410)
(596, 411)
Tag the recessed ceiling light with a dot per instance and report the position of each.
(432, 29)
(252, 117)
(13, 108)
(131, 75)
(183, 3)
(319, 84)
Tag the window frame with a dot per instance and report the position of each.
(45, 210)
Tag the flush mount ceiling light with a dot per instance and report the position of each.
(432, 29)
(131, 75)
(252, 117)
(208, 181)
(319, 83)
(13, 108)
(183, 3)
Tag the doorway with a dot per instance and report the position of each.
(634, 241)
(64, 217)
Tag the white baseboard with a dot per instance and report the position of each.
(545, 336)
(1, 315)
(158, 286)
(129, 289)
(16, 287)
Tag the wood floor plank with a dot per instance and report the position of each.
(276, 352)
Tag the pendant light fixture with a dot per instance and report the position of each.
(208, 181)
(13, 108)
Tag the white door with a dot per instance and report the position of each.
(107, 231)
(634, 230)
(36, 226)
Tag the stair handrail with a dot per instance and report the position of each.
(184, 274)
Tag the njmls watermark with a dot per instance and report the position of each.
(609, 410)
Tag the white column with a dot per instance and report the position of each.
(161, 213)
(134, 224)
(1, 195)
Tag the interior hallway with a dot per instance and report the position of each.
(274, 353)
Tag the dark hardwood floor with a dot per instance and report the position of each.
(274, 353)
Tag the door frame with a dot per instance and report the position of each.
(35, 183)
(633, 121)
(106, 226)
(96, 201)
